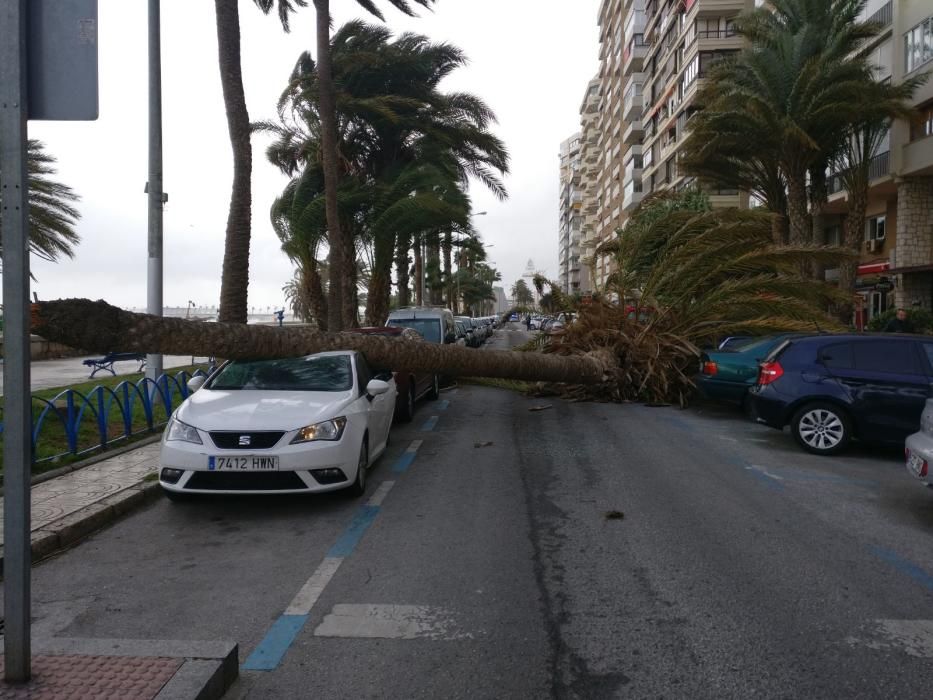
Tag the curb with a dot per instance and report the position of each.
(72, 528)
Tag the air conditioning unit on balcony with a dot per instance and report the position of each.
(874, 245)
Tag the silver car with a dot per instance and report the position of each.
(919, 447)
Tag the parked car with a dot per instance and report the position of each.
(295, 425)
(474, 338)
(833, 388)
(727, 375)
(918, 449)
(513, 317)
(734, 342)
(435, 324)
(410, 385)
(462, 333)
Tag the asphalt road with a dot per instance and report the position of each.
(580, 551)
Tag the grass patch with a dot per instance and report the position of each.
(52, 446)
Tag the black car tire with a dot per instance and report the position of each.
(358, 487)
(406, 411)
(435, 392)
(821, 428)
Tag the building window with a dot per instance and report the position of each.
(922, 126)
(918, 45)
(833, 235)
(874, 228)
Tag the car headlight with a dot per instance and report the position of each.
(326, 430)
(182, 432)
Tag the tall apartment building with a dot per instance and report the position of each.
(589, 184)
(684, 38)
(896, 265)
(571, 219)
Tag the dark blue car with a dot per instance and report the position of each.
(832, 388)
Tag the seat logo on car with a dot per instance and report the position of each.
(244, 441)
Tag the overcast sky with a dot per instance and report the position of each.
(530, 60)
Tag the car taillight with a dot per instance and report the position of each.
(769, 372)
(710, 368)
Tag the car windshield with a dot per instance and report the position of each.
(430, 328)
(311, 373)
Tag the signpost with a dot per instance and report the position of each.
(48, 70)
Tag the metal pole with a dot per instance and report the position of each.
(17, 419)
(154, 186)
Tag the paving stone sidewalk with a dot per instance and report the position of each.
(71, 506)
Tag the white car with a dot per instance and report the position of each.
(918, 449)
(296, 425)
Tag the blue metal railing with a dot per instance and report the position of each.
(114, 413)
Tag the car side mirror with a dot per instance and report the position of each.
(376, 387)
(196, 383)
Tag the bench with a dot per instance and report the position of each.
(106, 362)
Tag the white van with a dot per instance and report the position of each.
(436, 324)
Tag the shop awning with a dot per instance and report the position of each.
(875, 268)
(908, 270)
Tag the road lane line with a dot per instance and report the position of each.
(429, 424)
(305, 599)
(442, 405)
(272, 648)
(381, 493)
(905, 566)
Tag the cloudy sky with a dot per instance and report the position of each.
(529, 60)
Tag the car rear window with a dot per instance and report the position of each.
(888, 356)
(311, 373)
(430, 328)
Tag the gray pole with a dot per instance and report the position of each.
(154, 186)
(17, 419)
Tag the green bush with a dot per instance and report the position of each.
(921, 318)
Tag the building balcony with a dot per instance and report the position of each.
(632, 198)
(883, 16)
(632, 107)
(634, 57)
(878, 167)
(633, 172)
(633, 132)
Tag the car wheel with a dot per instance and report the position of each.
(822, 428)
(435, 393)
(407, 409)
(358, 487)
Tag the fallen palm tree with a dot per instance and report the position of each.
(98, 326)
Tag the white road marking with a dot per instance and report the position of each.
(381, 493)
(305, 599)
(727, 439)
(413, 447)
(390, 622)
(913, 637)
(764, 470)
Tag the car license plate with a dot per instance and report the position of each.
(244, 463)
(915, 465)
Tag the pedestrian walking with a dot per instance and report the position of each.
(900, 323)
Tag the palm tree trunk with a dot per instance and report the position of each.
(797, 213)
(419, 273)
(819, 196)
(853, 230)
(337, 264)
(448, 270)
(435, 282)
(100, 327)
(779, 228)
(234, 280)
(380, 282)
(402, 246)
(316, 295)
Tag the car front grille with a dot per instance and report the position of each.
(233, 440)
(245, 481)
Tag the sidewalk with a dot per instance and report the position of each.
(67, 508)
(71, 506)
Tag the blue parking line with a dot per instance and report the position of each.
(442, 405)
(353, 534)
(404, 462)
(269, 653)
(429, 424)
(905, 566)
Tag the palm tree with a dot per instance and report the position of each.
(234, 281)
(52, 216)
(521, 294)
(341, 313)
(407, 150)
(786, 98)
